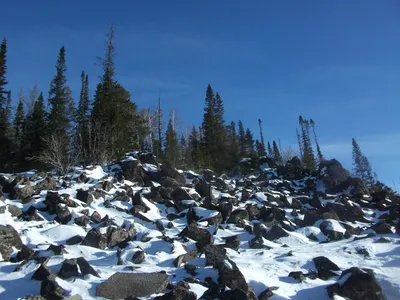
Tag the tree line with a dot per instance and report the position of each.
(100, 130)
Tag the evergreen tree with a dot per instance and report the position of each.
(18, 123)
(194, 148)
(241, 139)
(319, 153)
(5, 103)
(171, 145)
(183, 153)
(82, 146)
(60, 101)
(277, 155)
(261, 148)
(362, 168)
(232, 145)
(214, 134)
(299, 141)
(270, 152)
(250, 151)
(308, 153)
(117, 126)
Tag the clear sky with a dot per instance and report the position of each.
(336, 62)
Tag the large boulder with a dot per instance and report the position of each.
(293, 169)
(123, 285)
(357, 284)
(132, 171)
(200, 235)
(49, 183)
(332, 174)
(169, 171)
(9, 238)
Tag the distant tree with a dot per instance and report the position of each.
(319, 153)
(299, 141)
(362, 168)
(171, 145)
(183, 153)
(250, 151)
(241, 139)
(214, 134)
(277, 155)
(19, 121)
(81, 142)
(308, 152)
(232, 145)
(261, 148)
(194, 148)
(59, 118)
(269, 149)
(3, 72)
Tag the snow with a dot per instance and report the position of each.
(150, 168)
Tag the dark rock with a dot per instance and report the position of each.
(230, 276)
(147, 158)
(200, 235)
(15, 211)
(178, 293)
(359, 285)
(232, 242)
(266, 294)
(122, 285)
(332, 174)
(82, 221)
(253, 210)
(85, 267)
(239, 215)
(183, 258)
(180, 194)
(63, 214)
(85, 196)
(94, 238)
(96, 217)
(382, 228)
(215, 255)
(329, 232)
(276, 232)
(9, 238)
(298, 276)
(382, 240)
(203, 188)
(57, 249)
(25, 253)
(132, 171)
(325, 267)
(357, 186)
(293, 169)
(76, 239)
(69, 268)
(49, 183)
(258, 243)
(138, 257)
(43, 273)
(116, 236)
(169, 171)
(51, 201)
(107, 185)
(225, 208)
(51, 290)
(22, 191)
(347, 212)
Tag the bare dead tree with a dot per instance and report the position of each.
(54, 155)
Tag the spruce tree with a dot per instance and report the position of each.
(19, 121)
(171, 145)
(59, 117)
(232, 146)
(362, 168)
(194, 148)
(5, 103)
(241, 140)
(261, 148)
(82, 146)
(299, 141)
(183, 153)
(276, 154)
(214, 134)
(269, 149)
(250, 151)
(308, 153)
(319, 153)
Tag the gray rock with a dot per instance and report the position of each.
(69, 268)
(15, 211)
(123, 285)
(9, 238)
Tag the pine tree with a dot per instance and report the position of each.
(194, 148)
(261, 148)
(82, 146)
(214, 134)
(5, 103)
(241, 140)
(269, 149)
(250, 151)
(308, 153)
(299, 141)
(232, 146)
(183, 153)
(277, 155)
(18, 123)
(362, 168)
(171, 145)
(59, 100)
(319, 153)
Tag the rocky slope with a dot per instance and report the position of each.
(139, 229)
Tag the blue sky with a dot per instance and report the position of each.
(336, 62)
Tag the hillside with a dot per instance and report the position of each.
(142, 229)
